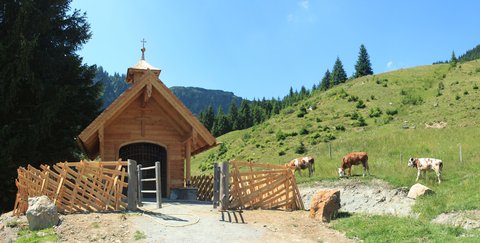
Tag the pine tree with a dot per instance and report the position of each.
(363, 66)
(338, 73)
(221, 124)
(233, 116)
(46, 94)
(207, 117)
(325, 83)
(245, 115)
(453, 60)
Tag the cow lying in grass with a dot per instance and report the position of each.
(424, 164)
(302, 163)
(353, 158)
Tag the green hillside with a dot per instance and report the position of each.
(398, 107)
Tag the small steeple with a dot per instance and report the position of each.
(141, 67)
(143, 48)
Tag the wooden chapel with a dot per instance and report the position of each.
(148, 123)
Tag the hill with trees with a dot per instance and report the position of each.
(426, 111)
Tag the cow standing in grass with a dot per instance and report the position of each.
(353, 158)
(302, 163)
(424, 164)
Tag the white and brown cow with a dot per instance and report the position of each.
(353, 158)
(302, 163)
(424, 164)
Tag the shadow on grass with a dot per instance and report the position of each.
(343, 215)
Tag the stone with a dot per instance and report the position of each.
(418, 190)
(41, 213)
(325, 205)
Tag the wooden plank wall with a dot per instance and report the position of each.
(74, 187)
(263, 186)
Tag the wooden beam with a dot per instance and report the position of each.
(101, 139)
(188, 156)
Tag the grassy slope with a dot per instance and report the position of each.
(459, 106)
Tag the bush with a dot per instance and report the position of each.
(403, 92)
(475, 86)
(280, 135)
(352, 98)
(375, 112)
(372, 97)
(329, 137)
(465, 92)
(412, 100)
(360, 104)
(302, 112)
(303, 131)
(354, 115)
(457, 97)
(391, 112)
(441, 86)
(340, 128)
(300, 149)
(318, 119)
(360, 122)
(281, 153)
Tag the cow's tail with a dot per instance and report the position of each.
(313, 165)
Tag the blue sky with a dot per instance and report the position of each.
(260, 49)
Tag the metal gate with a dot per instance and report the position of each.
(146, 154)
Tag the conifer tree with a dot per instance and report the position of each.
(338, 73)
(363, 66)
(207, 117)
(453, 60)
(325, 83)
(221, 124)
(233, 116)
(46, 94)
(245, 115)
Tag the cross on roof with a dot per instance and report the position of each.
(143, 48)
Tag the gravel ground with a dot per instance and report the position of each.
(370, 197)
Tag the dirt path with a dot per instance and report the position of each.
(196, 222)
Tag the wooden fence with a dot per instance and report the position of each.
(263, 186)
(74, 187)
(204, 184)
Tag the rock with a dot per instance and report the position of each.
(325, 205)
(41, 213)
(418, 190)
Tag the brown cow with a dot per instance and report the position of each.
(353, 158)
(302, 163)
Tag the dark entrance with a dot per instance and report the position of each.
(147, 154)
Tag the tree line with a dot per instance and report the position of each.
(255, 112)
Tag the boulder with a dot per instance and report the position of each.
(325, 205)
(41, 213)
(418, 190)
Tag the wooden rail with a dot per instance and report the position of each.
(74, 187)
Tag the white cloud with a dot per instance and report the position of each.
(304, 4)
(390, 64)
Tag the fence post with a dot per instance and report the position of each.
(224, 187)
(158, 183)
(330, 150)
(140, 185)
(461, 155)
(132, 185)
(216, 184)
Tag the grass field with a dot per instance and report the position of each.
(391, 127)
